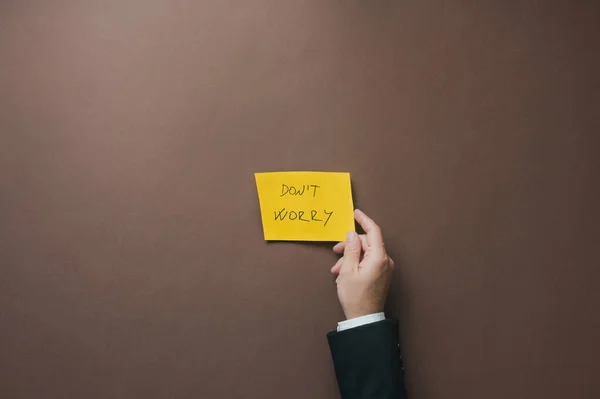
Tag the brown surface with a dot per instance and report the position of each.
(132, 263)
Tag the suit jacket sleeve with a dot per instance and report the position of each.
(367, 361)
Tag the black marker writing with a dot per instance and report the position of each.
(328, 217)
(293, 215)
(313, 213)
(300, 190)
(278, 214)
(300, 214)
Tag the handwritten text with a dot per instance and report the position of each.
(300, 190)
(303, 216)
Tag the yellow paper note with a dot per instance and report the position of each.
(305, 206)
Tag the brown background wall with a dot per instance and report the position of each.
(131, 253)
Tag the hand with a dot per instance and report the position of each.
(362, 285)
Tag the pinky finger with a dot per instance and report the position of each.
(339, 247)
(338, 266)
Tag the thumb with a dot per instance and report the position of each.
(351, 252)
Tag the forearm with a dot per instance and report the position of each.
(367, 361)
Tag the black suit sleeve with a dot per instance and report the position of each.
(367, 361)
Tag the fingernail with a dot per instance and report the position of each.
(351, 236)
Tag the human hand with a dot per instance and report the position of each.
(362, 285)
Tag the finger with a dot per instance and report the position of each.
(363, 241)
(352, 250)
(373, 231)
(338, 266)
(339, 247)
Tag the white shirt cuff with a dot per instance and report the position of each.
(360, 321)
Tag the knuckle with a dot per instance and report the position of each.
(353, 250)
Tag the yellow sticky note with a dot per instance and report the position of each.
(305, 206)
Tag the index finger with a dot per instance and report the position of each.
(374, 237)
